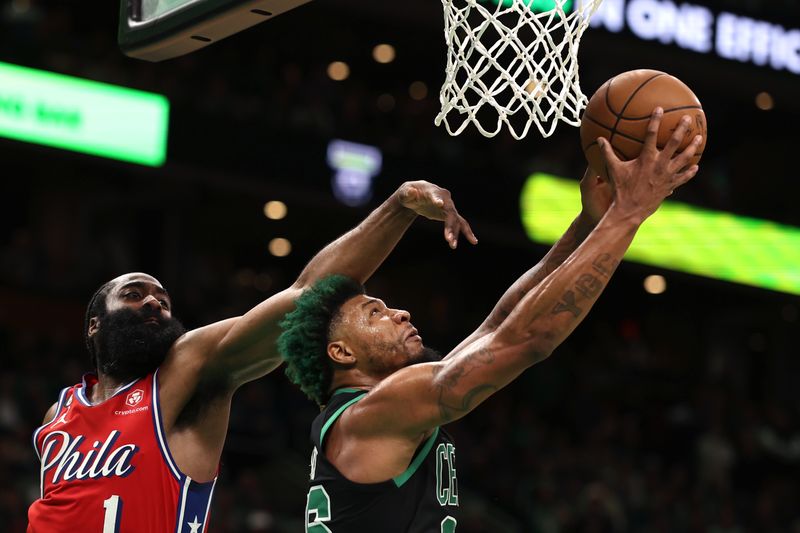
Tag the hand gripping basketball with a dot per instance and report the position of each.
(620, 109)
(642, 184)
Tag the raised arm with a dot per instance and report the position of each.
(424, 396)
(232, 352)
(595, 200)
(359, 252)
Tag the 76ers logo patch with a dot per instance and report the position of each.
(134, 397)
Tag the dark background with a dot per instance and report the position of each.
(671, 412)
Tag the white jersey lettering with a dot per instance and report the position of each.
(60, 452)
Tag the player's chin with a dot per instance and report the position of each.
(423, 354)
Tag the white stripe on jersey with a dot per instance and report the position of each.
(162, 441)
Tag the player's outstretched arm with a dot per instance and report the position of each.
(424, 396)
(232, 352)
(595, 200)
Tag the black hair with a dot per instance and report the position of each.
(96, 307)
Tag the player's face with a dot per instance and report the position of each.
(382, 338)
(137, 330)
(141, 293)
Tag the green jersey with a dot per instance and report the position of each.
(423, 499)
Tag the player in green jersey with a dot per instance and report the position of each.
(380, 461)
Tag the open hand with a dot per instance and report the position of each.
(640, 185)
(435, 203)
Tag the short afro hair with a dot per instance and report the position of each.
(303, 344)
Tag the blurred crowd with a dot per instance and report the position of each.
(658, 423)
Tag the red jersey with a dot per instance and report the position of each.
(106, 468)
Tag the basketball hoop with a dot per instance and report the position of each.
(512, 63)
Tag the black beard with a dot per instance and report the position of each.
(427, 355)
(379, 365)
(127, 348)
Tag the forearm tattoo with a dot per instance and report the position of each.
(560, 253)
(588, 285)
(568, 244)
(605, 265)
(565, 247)
(453, 403)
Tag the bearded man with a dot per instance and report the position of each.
(135, 447)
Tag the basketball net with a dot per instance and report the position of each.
(512, 63)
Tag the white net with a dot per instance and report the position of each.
(513, 63)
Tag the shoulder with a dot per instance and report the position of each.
(190, 351)
(181, 375)
(50, 414)
(65, 398)
(385, 410)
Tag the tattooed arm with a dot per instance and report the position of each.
(595, 200)
(544, 317)
(421, 397)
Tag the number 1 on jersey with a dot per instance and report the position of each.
(113, 507)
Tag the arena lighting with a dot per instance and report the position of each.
(764, 101)
(383, 53)
(697, 28)
(418, 90)
(280, 247)
(83, 116)
(356, 165)
(338, 71)
(655, 284)
(275, 210)
(680, 237)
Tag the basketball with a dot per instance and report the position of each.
(621, 108)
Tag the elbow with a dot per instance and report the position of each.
(536, 345)
(538, 349)
(545, 343)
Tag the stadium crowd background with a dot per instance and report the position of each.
(671, 412)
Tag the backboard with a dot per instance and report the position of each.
(155, 30)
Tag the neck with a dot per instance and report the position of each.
(105, 388)
(353, 379)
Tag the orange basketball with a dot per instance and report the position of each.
(621, 108)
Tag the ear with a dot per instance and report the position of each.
(94, 325)
(340, 352)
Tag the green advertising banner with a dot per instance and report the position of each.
(84, 116)
(538, 6)
(680, 237)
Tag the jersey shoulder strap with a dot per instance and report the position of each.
(340, 400)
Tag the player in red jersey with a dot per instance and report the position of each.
(135, 447)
